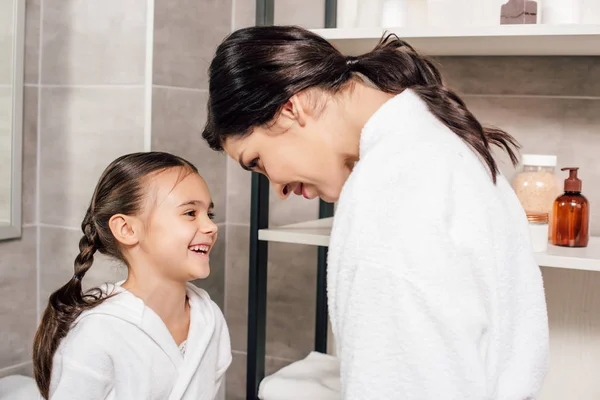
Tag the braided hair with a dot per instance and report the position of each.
(120, 190)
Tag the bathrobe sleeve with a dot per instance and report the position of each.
(76, 382)
(414, 316)
(82, 367)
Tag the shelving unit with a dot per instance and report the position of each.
(502, 40)
(317, 233)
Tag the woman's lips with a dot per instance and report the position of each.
(305, 193)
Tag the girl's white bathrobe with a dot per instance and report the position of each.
(122, 350)
(434, 290)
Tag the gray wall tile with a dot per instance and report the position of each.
(178, 117)
(58, 249)
(555, 76)
(564, 127)
(244, 13)
(93, 42)
(19, 369)
(30, 125)
(215, 283)
(308, 14)
(17, 298)
(238, 193)
(82, 131)
(290, 299)
(32, 40)
(186, 34)
(236, 285)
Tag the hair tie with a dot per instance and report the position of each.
(77, 277)
(351, 60)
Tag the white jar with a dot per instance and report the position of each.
(556, 12)
(536, 183)
(538, 229)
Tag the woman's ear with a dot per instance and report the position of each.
(294, 110)
(124, 229)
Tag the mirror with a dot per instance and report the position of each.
(12, 32)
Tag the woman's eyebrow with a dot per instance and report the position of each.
(241, 161)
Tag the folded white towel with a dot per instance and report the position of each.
(317, 377)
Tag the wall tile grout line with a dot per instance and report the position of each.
(18, 365)
(185, 89)
(149, 77)
(74, 228)
(86, 86)
(38, 231)
(530, 96)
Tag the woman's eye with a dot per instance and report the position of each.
(191, 213)
(252, 164)
(211, 215)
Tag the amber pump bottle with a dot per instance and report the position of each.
(571, 214)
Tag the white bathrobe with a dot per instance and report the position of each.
(122, 350)
(434, 291)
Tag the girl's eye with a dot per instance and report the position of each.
(191, 213)
(211, 215)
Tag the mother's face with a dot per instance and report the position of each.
(298, 153)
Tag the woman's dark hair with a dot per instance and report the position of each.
(257, 70)
(120, 190)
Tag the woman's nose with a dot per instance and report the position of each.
(283, 191)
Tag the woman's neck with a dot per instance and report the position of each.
(168, 299)
(360, 103)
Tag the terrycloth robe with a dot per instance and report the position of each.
(434, 291)
(121, 350)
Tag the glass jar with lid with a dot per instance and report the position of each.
(536, 184)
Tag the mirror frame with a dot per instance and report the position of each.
(14, 230)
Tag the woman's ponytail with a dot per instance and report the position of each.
(394, 66)
(64, 306)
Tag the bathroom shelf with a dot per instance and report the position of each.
(317, 233)
(500, 40)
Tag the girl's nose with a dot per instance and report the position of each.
(209, 227)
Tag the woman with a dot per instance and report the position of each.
(434, 292)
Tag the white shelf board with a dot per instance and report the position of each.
(317, 233)
(499, 40)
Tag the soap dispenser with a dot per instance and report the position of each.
(571, 214)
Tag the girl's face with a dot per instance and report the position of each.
(302, 152)
(178, 232)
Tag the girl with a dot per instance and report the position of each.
(434, 292)
(154, 336)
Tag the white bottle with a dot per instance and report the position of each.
(347, 14)
(394, 13)
(369, 13)
(446, 13)
(556, 12)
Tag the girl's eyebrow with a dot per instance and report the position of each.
(197, 203)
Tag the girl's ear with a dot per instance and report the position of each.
(125, 229)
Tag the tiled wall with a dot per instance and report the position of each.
(103, 78)
(18, 271)
(186, 34)
(6, 33)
